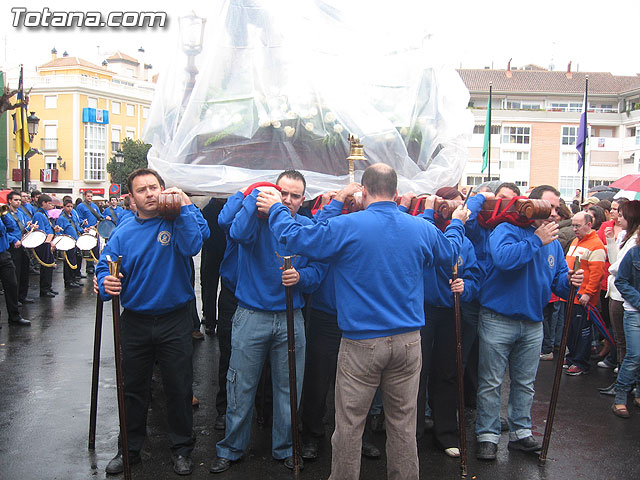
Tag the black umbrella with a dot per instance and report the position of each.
(600, 188)
(604, 195)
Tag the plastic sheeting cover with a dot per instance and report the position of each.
(280, 85)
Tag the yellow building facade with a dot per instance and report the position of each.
(85, 112)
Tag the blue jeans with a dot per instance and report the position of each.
(255, 334)
(629, 373)
(516, 342)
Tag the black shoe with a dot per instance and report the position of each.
(220, 465)
(369, 450)
(288, 462)
(527, 444)
(210, 330)
(47, 294)
(504, 425)
(82, 275)
(182, 465)
(116, 465)
(78, 283)
(23, 322)
(221, 422)
(487, 451)
(608, 387)
(26, 300)
(610, 391)
(71, 285)
(54, 292)
(309, 450)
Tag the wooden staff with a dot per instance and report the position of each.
(97, 340)
(461, 419)
(293, 390)
(556, 379)
(114, 270)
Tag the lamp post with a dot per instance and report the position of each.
(191, 38)
(32, 128)
(62, 164)
(119, 156)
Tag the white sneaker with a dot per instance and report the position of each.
(452, 452)
(615, 370)
(546, 356)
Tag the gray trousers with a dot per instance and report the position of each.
(393, 363)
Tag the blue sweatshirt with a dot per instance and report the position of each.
(68, 228)
(41, 217)
(523, 273)
(114, 213)
(85, 214)
(13, 230)
(229, 264)
(259, 284)
(437, 290)
(478, 235)
(4, 237)
(156, 257)
(378, 256)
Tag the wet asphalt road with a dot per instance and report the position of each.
(45, 377)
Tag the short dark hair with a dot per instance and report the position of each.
(380, 180)
(67, 201)
(12, 194)
(606, 204)
(35, 193)
(537, 192)
(84, 194)
(126, 202)
(598, 216)
(67, 197)
(43, 198)
(111, 197)
(143, 171)
(294, 175)
(511, 186)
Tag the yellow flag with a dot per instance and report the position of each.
(20, 122)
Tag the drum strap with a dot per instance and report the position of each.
(27, 212)
(93, 211)
(114, 217)
(20, 224)
(72, 223)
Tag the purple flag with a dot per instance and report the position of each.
(582, 133)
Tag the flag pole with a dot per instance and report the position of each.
(489, 126)
(25, 168)
(586, 130)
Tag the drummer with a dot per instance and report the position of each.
(114, 210)
(45, 251)
(21, 221)
(89, 216)
(71, 228)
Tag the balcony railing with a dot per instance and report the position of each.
(49, 144)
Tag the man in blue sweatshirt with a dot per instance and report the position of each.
(527, 264)
(156, 293)
(259, 324)
(378, 257)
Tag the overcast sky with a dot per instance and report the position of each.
(594, 35)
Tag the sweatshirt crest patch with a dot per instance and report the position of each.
(164, 238)
(551, 260)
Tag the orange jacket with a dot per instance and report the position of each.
(592, 259)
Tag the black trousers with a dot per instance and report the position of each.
(46, 273)
(10, 285)
(227, 304)
(21, 263)
(209, 278)
(439, 366)
(323, 343)
(69, 274)
(166, 339)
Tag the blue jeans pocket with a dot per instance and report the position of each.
(355, 357)
(231, 387)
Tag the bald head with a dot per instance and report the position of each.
(581, 224)
(381, 181)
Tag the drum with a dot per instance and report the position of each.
(105, 227)
(64, 243)
(34, 239)
(87, 241)
(169, 205)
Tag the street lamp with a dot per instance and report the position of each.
(62, 164)
(32, 128)
(191, 39)
(32, 125)
(119, 156)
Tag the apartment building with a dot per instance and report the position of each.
(85, 112)
(534, 126)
